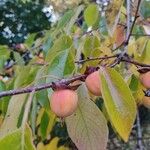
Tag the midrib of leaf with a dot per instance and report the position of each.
(114, 93)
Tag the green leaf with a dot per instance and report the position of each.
(74, 18)
(134, 83)
(33, 115)
(140, 50)
(42, 96)
(25, 76)
(14, 141)
(4, 100)
(103, 26)
(62, 65)
(47, 44)
(62, 62)
(87, 127)
(19, 59)
(44, 124)
(119, 102)
(144, 9)
(29, 41)
(145, 56)
(4, 55)
(65, 19)
(47, 123)
(4, 51)
(42, 99)
(91, 14)
(61, 44)
(92, 43)
(12, 115)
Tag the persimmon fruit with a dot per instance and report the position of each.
(145, 79)
(64, 102)
(119, 35)
(93, 83)
(20, 47)
(146, 101)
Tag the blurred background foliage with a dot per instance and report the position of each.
(18, 18)
(32, 31)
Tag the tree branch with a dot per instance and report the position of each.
(129, 33)
(82, 77)
(131, 61)
(41, 87)
(128, 23)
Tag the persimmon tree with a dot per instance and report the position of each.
(98, 51)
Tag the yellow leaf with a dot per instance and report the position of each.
(41, 146)
(11, 118)
(112, 15)
(40, 114)
(1, 119)
(119, 102)
(53, 144)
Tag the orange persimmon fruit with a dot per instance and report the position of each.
(93, 83)
(64, 102)
(146, 101)
(145, 79)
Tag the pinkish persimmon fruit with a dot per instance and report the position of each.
(146, 101)
(93, 83)
(145, 79)
(119, 35)
(20, 47)
(64, 102)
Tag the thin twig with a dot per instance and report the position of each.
(140, 34)
(131, 61)
(128, 23)
(95, 58)
(135, 18)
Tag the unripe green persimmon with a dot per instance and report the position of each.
(93, 83)
(64, 102)
(145, 79)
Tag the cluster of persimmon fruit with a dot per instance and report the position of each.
(64, 102)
